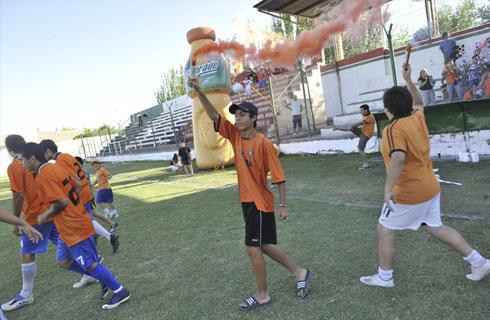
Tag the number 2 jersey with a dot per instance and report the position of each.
(71, 164)
(55, 183)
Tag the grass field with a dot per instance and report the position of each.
(182, 252)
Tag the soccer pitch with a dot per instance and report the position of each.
(182, 252)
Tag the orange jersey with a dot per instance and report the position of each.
(102, 176)
(23, 181)
(71, 164)
(486, 87)
(368, 126)
(73, 223)
(254, 159)
(417, 182)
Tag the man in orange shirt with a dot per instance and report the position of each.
(104, 196)
(71, 164)
(255, 157)
(364, 130)
(76, 248)
(26, 200)
(412, 192)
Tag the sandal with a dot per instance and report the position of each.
(303, 286)
(252, 304)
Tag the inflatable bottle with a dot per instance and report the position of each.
(213, 73)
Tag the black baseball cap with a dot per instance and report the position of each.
(244, 106)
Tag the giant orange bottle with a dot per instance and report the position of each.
(214, 78)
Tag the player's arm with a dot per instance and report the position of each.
(283, 214)
(397, 160)
(17, 203)
(416, 96)
(56, 207)
(207, 105)
(31, 233)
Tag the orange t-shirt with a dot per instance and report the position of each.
(73, 223)
(102, 176)
(368, 126)
(486, 87)
(22, 181)
(254, 158)
(417, 182)
(468, 95)
(69, 162)
(450, 76)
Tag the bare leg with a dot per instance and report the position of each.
(102, 217)
(280, 257)
(191, 169)
(258, 265)
(451, 237)
(386, 247)
(186, 170)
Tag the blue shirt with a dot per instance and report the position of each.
(447, 46)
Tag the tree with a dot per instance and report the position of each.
(290, 28)
(483, 14)
(464, 16)
(172, 86)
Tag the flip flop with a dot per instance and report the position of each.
(253, 304)
(303, 286)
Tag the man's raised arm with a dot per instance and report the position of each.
(416, 96)
(207, 105)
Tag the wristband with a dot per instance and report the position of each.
(283, 205)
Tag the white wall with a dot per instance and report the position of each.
(375, 75)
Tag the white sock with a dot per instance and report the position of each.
(28, 275)
(385, 274)
(475, 259)
(101, 231)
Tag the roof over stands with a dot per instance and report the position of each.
(304, 8)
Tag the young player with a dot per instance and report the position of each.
(104, 196)
(26, 200)
(364, 130)
(412, 192)
(76, 249)
(71, 164)
(255, 156)
(32, 234)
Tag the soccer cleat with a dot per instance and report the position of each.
(84, 281)
(17, 303)
(479, 273)
(117, 299)
(114, 227)
(375, 280)
(104, 291)
(115, 242)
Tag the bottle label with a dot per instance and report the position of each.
(213, 74)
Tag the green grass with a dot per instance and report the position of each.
(182, 250)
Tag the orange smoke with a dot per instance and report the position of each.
(308, 44)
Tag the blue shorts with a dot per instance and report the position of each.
(49, 232)
(83, 253)
(88, 207)
(104, 195)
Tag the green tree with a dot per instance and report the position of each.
(483, 14)
(286, 26)
(172, 86)
(465, 15)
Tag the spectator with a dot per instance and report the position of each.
(261, 78)
(426, 86)
(474, 72)
(297, 111)
(469, 94)
(248, 88)
(185, 159)
(175, 164)
(451, 75)
(448, 48)
(484, 85)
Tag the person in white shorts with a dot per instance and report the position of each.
(412, 192)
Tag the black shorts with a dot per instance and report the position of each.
(260, 227)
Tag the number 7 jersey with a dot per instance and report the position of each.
(55, 183)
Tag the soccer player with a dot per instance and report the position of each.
(255, 156)
(26, 200)
(412, 192)
(364, 130)
(76, 249)
(104, 196)
(71, 164)
(32, 234)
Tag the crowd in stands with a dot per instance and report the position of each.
(461, 79)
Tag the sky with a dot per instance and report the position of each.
(86, 63)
